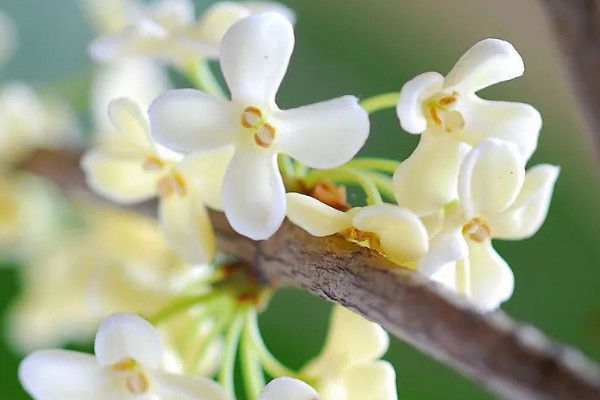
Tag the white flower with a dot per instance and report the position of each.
(126, 366)
(255, 54)
(393, 231)
(128, 167)
(448, 114)
(349, 366)
(497, 200)
(167, 29)
(285, 388)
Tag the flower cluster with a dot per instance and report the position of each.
(196, 151)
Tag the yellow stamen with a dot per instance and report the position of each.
(153, 163)
(477, 230)
(265, 135)
(251, 117)
(137, 383)
(125, 365)
(174, 183)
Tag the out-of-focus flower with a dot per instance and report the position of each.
(168, 30)
(29, 121)
(107, 16)
(285, 388)
(447, 113)
(496, 200)
(127, 364)
(349, 366)
(109, 260)
(394, 231)
(8, 37)
(128, 167)
(255, 54)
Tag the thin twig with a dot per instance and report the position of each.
(512, 360)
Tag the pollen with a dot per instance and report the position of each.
(137, 383)
(173, 183)
(265, 135)
(477, 230)
(251, 117)
(125, 365)
(153, 163)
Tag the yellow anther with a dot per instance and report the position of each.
(434, 114)
(137, 383)
(125, 365)
(251, 117)
(174, 183)
(477, 230)
(265, 135)
(366, 239)
(153, 163)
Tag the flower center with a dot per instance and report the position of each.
(153, 164)
(264, 133)
(170, 184)
(477, 230)
(441, 113)
(136, 381)
(365, 239)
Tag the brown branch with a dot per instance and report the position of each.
(512, 360)
(577, 27)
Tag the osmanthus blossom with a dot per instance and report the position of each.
(126, 365)
(349, 365)
(394, 231)
(128, 167)
(113, 260)
(285, 388)
(496, 200)
(254, 56)
(450, 116)
(168, 30)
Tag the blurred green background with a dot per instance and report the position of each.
(368, 47)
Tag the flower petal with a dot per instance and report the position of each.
(446, 275)
(62, 374)
(132, 125)
(486, 63)
(253, 193)
(491, 279)
(122, 336)
(255, 53)
(517, 123)
(315, 217)
(256, 7)
(402, 235)
(446, 247)
(412, 96)
(183, 387)
(426, 181)
(285, 388)
(216, 20)
(351, 340)
(525, 216)
(490, 178)
(205, 171)
(187, 120)
(119, 178)
(325, 134)
(372, 381)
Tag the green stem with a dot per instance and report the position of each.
(226, 373)
(347, 174)
(380, 164)
(203, 78)
(254, 379)
(286, 167)
(180, 305)
(300, 169)
(223, 314)
(270, 364)
(384, 184)
(380, 102)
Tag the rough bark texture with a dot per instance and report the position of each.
(512, 360)
(577, 28)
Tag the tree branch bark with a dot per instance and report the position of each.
(576, 25)
(512, 360)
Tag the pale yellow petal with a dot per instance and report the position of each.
(315, 217)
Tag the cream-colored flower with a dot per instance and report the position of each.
(497, 200)
(168, 30)
(394, 231)
(107, 16)
(255, 54)
(285, 388)
(110, 260)
(128, 167)
(29, 121)
(127, 363)
(449, 115)
(349, 366)
(8, 37)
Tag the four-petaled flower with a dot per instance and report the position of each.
(127, 364)
(254, 55)
(349, 366)
(394, 231)
(128, 167)
(168, 30)
(497, 200)
(448, 115)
